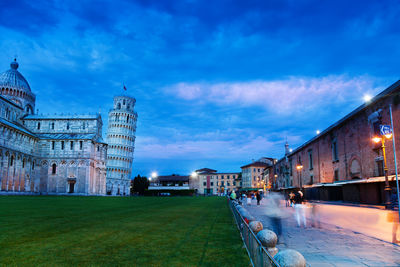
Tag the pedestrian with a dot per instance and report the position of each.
(233, 195)
(258, 196)
(299, 208)
(275, 212)
(393, 215)
(316, 222)
(291, 198)
(249, 200)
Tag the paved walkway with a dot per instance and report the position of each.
(331, 245)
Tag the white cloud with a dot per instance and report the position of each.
(280, 96)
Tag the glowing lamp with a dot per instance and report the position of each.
(376, 139)
(388, 136)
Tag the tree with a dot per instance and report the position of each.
(139, 184)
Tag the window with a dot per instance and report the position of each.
(33, 165)
(54, 168)
(222, 177)
(222, 183)
(53, 144)
(290, 168)
(83, 125)
(334, 151)
(80, 145)
(380, 167)
(227, 177)
(52, 125)
(258, 169)
(12, 160)
(227, 183)
(310, 159)
(67, 125)
(62, 145)
(254, 169)
(336, 175)
(119, 106)
(98, 148)
(123, 102)
(212, 183)
(71, 145)
(311, 179)
(116, 117)
(254, 178)
(127, 119)
(204, 183)
(38, 126)
(23, 163)
(129, 106)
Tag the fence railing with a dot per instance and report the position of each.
(259, 256)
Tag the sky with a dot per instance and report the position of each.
(217, 83)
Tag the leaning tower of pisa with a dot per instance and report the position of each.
(121, 145)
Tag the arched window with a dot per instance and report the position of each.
(52, 125)
(53, 168)
(67, 125)
(12, 160)
(129, 106)
(38, 126)
(33, 165)
(123, 102)
(127, 119)
(119, 106)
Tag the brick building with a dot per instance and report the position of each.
(210, 182)
(342, 162)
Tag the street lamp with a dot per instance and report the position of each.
(299, 167)
(387, 189)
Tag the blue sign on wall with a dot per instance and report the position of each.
(385, 129)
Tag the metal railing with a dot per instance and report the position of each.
(258, 255)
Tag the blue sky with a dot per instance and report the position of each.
(217, 83)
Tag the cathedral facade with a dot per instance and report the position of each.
(49, 154)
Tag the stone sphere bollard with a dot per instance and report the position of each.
(256, 226)
(290, 258)
(268, 239)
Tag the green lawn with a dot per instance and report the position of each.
(112, 231)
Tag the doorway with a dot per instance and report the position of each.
(71, 186)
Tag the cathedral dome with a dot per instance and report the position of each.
(15, 88)
(13, 79)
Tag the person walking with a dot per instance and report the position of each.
(258, 196)
(299, 208)
(291, 199)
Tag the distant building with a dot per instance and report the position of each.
(50, 154)
(342, 162)
(210, 182)
(253, 176)
(170, 182)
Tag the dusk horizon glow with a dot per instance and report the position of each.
(215, 86)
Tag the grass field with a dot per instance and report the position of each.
(112, 231)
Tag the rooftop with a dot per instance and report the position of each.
(62, 116)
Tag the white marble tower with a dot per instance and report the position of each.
(121, 145)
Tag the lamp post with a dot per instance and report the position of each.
(299, 167)
(387, 189)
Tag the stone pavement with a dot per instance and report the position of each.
(330, 245)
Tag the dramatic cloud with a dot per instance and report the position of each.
(282, 96)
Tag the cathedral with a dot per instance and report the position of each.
(62, 154)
